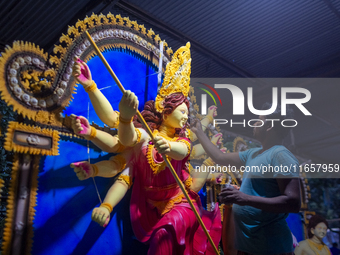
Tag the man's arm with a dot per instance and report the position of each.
(209, 118)
(218, 156)
(288, 202)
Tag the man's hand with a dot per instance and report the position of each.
(128, 105)
(196, 127)
(215, 178)
(81, 73)
(83, 170)
(101, 215)
(233, 196)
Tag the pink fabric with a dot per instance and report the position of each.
(179, 224)
(161, 242)
(212, 221)
(245, 253)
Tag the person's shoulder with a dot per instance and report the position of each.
(245, 155)
(303, 243)
(250, 151)
(280, 150)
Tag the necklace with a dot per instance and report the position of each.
(317, 248)
(164, 135)
(157, 167)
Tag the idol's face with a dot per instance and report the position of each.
(178, 118)
(320, 230)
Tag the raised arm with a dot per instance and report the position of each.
(198, 149)
(103, 140)
(219, 157)
(101, 105)
(128, 107)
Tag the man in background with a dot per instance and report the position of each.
(263, 202)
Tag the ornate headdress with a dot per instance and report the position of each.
(177, 76)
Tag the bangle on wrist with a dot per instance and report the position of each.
(107, 206)
(91, 88)
(211, 119)
(208, 162)
(93, 133)
(124, 121)
(95, 170)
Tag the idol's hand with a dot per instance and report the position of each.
(81, 72)
(83, 170)
(101, 215)
(128, 105)
(161, 144)
(216, 139)
(80, 125)
(295, 241)
(215, 178)
(212, 111)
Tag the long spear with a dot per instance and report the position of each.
(146, 127)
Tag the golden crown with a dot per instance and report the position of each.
(177, 76)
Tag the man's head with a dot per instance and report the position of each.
(317, 227)
(271, 124)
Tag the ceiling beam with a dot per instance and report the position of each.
(332, 8)
(171, 31)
